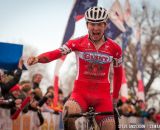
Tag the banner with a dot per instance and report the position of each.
(115, 23)
(127, 24)
(10, 54)
(140, 76)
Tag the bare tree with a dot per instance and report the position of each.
(149, 22)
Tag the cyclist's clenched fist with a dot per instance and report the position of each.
(32, 60)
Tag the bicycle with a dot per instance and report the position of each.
(90, 116)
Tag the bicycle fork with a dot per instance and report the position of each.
(90, 124)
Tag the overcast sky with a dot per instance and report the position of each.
(40, 23)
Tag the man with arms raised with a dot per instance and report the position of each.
(94, 54)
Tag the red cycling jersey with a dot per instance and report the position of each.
(93, 64)
(92, 87)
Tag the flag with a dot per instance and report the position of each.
(139, 56)
(126, 36)
(115, 22)
(140, 93)
(127, 24)
(112, 30)
(10, 54)
(77, 13)
(56, 80)
(139, 50)
(127, 12)
(140, 90)
(115, 25)
(124, 87)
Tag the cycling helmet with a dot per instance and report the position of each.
(96, 15)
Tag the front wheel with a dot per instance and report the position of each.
(91, 127)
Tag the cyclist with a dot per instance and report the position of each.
(94, 54)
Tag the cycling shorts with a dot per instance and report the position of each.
(95, 94)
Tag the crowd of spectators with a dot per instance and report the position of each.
(138, 108)
(26, 95)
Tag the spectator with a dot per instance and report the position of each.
(60, 99)
(47, 107)
(15, 94)
(36, 80)
(151, 114)
(50, 89)
(5, 84)
(49, 102)
(26, 87)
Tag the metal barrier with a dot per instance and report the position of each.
(28, 121)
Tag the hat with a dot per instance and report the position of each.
(14, 88)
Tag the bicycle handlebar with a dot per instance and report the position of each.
(88, 114)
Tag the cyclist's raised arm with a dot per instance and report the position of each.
(49, 56)
(117, 77)
(52, 55)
